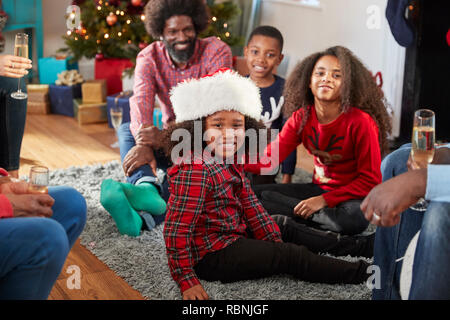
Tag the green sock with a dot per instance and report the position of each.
(114, 200)
(144, 197)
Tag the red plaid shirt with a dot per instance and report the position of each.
(156, 74)
(211, 205)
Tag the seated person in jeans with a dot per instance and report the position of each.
(37, 231)
(388, 206)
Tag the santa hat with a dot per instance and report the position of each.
(224, 90)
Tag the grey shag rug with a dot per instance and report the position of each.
(142, 261)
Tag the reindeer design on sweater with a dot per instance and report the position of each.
(323, 156)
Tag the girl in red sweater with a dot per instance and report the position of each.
(337, 111)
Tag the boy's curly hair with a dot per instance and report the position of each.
(358, 90)
(158, 11)
(250, 123)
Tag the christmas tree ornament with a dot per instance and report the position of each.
(111, 19)
(142, 45)
(99, 56)
(96, 22)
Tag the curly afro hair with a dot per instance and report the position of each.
(158, 11)
(358, 90)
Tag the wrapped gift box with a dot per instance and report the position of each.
(38, 107)
(111, 70)
(94, 91)
(89, 112)
(61, 98)
(42, 88)
(50, 67)
(38, 97)
(123, 100)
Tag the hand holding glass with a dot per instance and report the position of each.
(20, 50)
(39, 177)
(423, 146)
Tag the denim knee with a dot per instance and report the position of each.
(69, 210)
(46, 239)
(395, 163)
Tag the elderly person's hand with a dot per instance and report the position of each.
(13, 66)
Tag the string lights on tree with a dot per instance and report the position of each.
(115, 28)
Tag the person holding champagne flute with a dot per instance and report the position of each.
(33, 250)
(12, 111)
(390, 205)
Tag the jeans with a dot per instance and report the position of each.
(346, 218)
(33, 250)
(431, 276)
(12, 123)
(144, 173)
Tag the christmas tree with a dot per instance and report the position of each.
(115, 28)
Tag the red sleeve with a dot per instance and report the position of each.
(279, 149)
(367, 151)
(6, 209)
(261, 224)
(189, 187)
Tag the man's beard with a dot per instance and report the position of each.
(180, 56)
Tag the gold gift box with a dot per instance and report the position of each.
(89, 112)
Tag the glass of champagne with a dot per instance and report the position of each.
(20, 50)
(116, 118)
(423, 146)
(39, 177)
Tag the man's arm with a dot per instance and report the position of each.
(143, 100)
(395, 195)
(392, 197)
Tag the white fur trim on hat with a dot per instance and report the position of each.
(197, 98)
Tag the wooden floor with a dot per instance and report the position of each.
(59, 142)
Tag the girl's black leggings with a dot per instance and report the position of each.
(346, 218)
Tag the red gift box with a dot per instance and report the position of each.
(111, 69)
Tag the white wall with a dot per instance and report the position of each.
(341, 22)
(54, 23)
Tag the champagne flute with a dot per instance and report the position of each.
(116, 113)
(423, 146)
(20, 50)
(39, 177)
